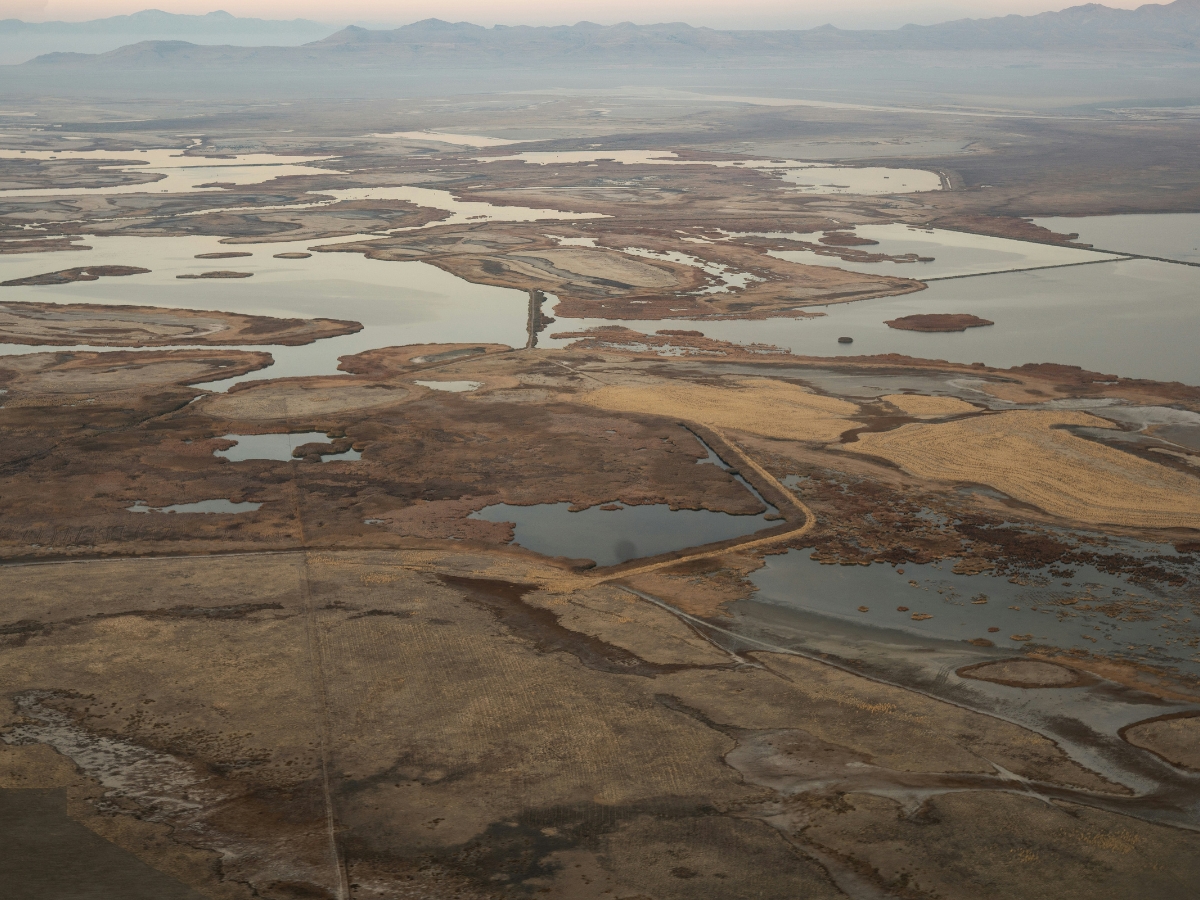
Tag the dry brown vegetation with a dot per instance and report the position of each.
(1031, 457)
(938, 322)
(67, 324)
(758, 405)
(1175, 738)
(513, 722)
(923, 406)
(444, 708)
(358, 692)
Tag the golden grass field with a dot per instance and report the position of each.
(607, 264)
(1177, 740)
(921, 405)
(1024, 454)
(761, 406)
(285, 400)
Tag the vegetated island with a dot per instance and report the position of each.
(67, 324)
(933, 322)
(223, 254)
(220, 274)
(846, 239)
(80, 273)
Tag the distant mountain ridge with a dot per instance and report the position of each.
(155, 21)
(1092, 28)
(22, 41)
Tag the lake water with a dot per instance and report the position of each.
(954, 253)
(612, 536)
(445, 137)
(1135, 318)
(804, 175)
(1096, 612)
(181, 174)
(210, 507)
(278, 447)
(1166, 235)
(453, 387)
(185, 175)
(397, 302)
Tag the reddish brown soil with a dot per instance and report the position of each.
(1008, 227)
(221, 274)
(933, 322)
(82, 273)
(845, 239)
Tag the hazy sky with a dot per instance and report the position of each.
(714, 13)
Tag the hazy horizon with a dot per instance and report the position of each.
(759, 14)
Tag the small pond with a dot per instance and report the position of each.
(1090, 610)
(454, 387)
(219, 506)
(616, 535)
(278, 447)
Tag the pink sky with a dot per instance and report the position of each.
(743, 14)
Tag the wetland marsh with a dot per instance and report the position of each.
(517, 524)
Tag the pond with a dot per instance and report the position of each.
(218, 506)
(278, 447)
(616, 533)
(1088, 610)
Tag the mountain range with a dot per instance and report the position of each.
(21, 41)
(1172, 28)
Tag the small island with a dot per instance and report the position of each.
(938, 322)
(81, 273)
(220, 274)
(102, 325)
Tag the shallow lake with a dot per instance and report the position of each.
(278, 447)
(181, 174)
(954, 253)
(612, 536)
(1166, 235)
(805, 175)
(397, 302)
(1135, 318)
(1096, 612)
(210, 507)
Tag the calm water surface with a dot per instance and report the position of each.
(1168, 235)
(1093, 611)
(615, 536)
(278, 447)
(954, 253)
(1136, 318)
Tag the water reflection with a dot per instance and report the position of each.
(278, 447)
(1135, 318)
(954, 253)
(210, 507)
(1166, 235)
(1088, 610)
(615, 533)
